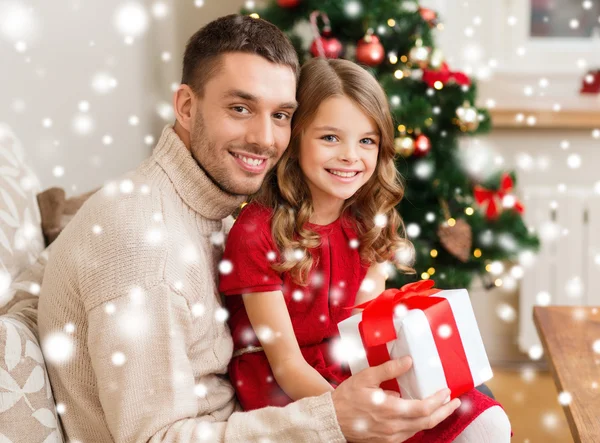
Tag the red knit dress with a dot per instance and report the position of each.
(314, 310)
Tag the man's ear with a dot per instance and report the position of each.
(184, 102)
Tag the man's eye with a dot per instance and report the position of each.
(329, 138)
(282, 116)
(240, 109)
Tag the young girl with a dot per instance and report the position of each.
(314, 241)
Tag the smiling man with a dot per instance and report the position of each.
(134, 275)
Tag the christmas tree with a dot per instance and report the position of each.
(460, 227)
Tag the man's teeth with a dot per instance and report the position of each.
(343, 174)
(250, 161)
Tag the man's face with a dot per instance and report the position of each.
(241, 126)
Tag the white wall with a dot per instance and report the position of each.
(54, 74)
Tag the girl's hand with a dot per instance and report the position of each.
(366, 413)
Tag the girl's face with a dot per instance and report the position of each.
(338, 151)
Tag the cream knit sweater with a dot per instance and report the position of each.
(131, 323)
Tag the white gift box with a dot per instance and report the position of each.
(415, 338)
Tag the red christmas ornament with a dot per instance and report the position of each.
(288, 3)
(326, 47)
(369, 51)
(591, 83)
(429, 15)
(422, 146)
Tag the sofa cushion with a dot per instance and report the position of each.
(21, 239)
(26, 401)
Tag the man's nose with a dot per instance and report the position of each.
(260, 132)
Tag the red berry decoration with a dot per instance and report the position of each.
(422, 146)
(369, 51)
(330, 47)
(288, 3)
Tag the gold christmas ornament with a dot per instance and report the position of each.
(404, 145)
(468, 118)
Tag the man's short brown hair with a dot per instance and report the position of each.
(234, 33)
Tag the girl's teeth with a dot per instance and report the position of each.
(344, 174)
(250, 161)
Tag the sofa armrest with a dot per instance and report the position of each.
(27, 408)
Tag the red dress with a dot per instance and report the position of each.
(314, 310)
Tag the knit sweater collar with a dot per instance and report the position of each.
(190, 181)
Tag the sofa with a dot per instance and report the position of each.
(28, 413)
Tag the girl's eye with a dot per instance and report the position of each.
(329, 138)
(368, 141)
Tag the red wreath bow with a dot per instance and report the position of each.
(493, 199)
(445, 76)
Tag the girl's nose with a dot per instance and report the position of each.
(349, 155)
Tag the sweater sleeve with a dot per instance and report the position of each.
(146, 385)
(249, 254)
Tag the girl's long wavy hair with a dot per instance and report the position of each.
(286, 192)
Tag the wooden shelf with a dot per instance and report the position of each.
(564, 119)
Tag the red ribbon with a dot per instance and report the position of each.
(493, 199)
(377, 329)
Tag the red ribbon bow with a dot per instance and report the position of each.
(445, 75)
(377, 329)
(493, 199)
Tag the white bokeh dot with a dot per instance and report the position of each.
(198, 309)
(110, 308)
(200, 390)
(225, 267)
(444, 331)
(118, 359)
(413, 230)
(58, 347)
(131, 19)
(298, 295)
(34, 288)
(154, 236)
(378, 397)
(368, 285)
(221, 315)
(126, 186)
(381, 220)
(103, 83)
(58, 171)
(536, 352)
(565, 398)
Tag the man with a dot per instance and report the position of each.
(130, 319)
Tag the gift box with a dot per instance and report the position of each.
(436, 328)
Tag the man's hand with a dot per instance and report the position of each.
(366, 413)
